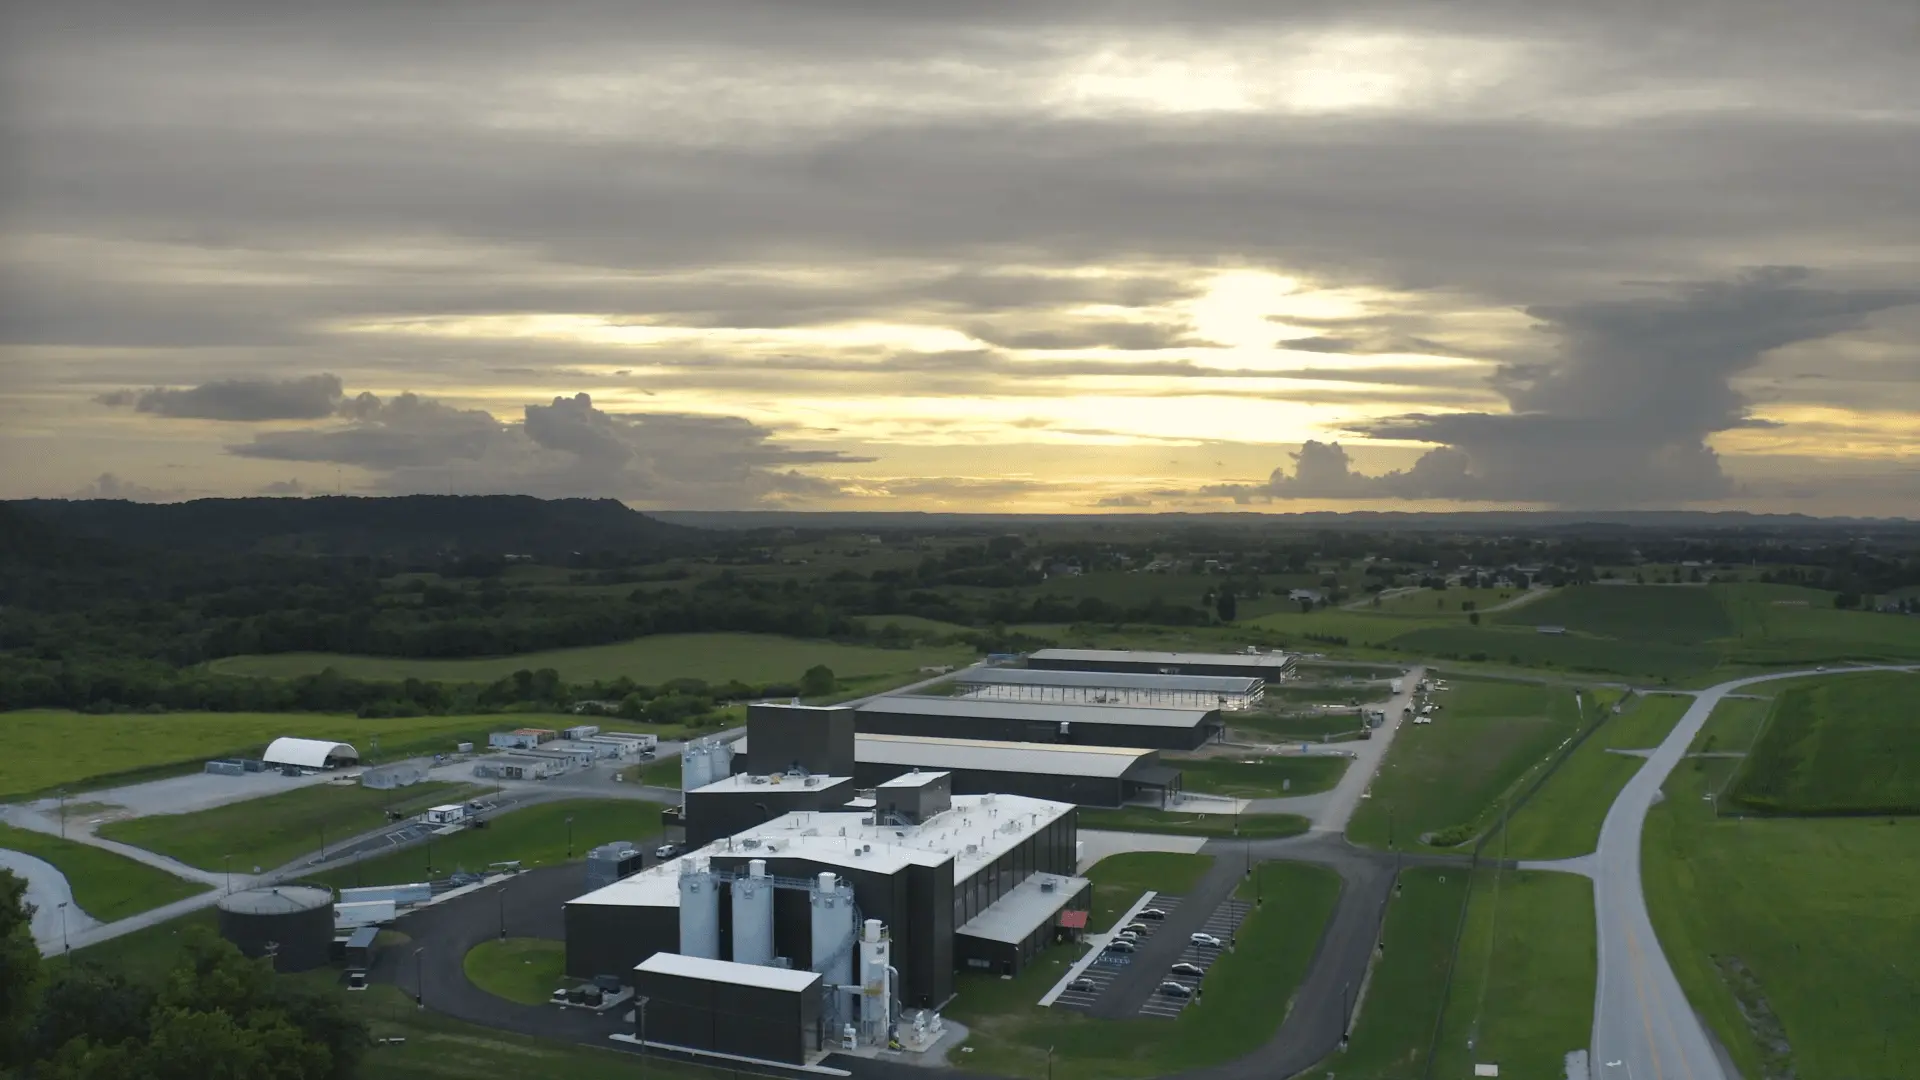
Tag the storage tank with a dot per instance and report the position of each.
(293, 923)
(876, 983)
(753, 915)
(696, 767)
(719, 761)
(699, 911)
(832, 903)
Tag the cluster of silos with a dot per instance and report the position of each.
(753, 915)
(703, 762)
(699, 910)
(831, 900)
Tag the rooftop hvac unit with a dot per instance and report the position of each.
(813, 781)
(1048, 885)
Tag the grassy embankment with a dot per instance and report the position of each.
(1846, 744)
(1563, 818)
(105, 885)
(1141, 819)
(1248, 993)
(1791, 936)
(534, 837)
(1262, 777)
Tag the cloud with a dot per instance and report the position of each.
(286, 487)
(567, 447)
(110, 486)
(1126, 501)
(310, 398)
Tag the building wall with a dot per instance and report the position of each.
(1012, 957)
(726, 1018)
(1082, 790)
(878, 720)
(1269, 671)
(817, 740)
(606, 939)
(715, 814)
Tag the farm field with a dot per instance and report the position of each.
(524, 970)
(1438, 602)
(535, 836)
(1845, 744)
(915, 625)
(1141, 819)
(1682, 614)
(1524, 978)
(716, 658)
(1523, 646)
(127, 748)
(1563, 818)
(1402, 1006)
(105, 885)
(273, 831)
(1454, 773)
(1262, 777)
(1806, 923)
(1248, 993)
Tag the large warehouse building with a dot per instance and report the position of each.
(1111, 687)
(1037, 722)
(1268, 666)
(289, 752)
(1087, 775)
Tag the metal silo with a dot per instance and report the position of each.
(833, 913)
(699, 911)
(719, 761)
(753, 915)
(292, 923)
(696, 766)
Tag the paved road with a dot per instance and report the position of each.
(47, 891)
(1641, 1017)
(1368, 754)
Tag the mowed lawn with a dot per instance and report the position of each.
(1396, 1024)
(751, 658)
(1524, 977)
(1248, 993)
(1118, 880)
(1685, 614)
(50, 747)
(1813, 924)
(1456, 772)
(273, 831)
(523, 970)
(535, 836)
(1143, 819)
(1253, 778)
(1563, 817)
(105, 885)
(1847, 744)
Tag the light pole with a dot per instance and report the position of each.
(569, 836)
(65, 944)
(226, 861)
(323, 843)
(419, 981)
(63, 813)
(503, 912)
(1049, 1063)
(640, 1005)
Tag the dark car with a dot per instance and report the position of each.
(1153, 913)
(1120, 945)
(1174, 989)
(1184, 968)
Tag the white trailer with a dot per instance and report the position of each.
(450, 814)
(1398, 685)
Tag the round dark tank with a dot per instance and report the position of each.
(292, 922)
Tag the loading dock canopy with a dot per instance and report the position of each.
(308, 753)
(1024, 908)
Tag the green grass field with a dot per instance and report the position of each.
(1292, 727)
(105, 885)
(1563, 818)
(1118, 880)
(128, 748)
(1402, 1005)
(1142, 819)
(1846, 744)
(1682, 614)
(1248, 993)
(751, 658)
(1525, 975)
(1442, 601)
(525, 970)
(1810, 924)
(1260, 777)
(535, 836)
(1456, 772)
(273, 831)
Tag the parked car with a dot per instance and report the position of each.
(1184, 968)
(666, 851)
(1174, 989)
(1206, 939)
(1138, 928)
(1083, 984)
(1120, 945)
(1153, 913)
(1126, 935)
(1423, 719)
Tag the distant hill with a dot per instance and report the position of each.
(1357, 521)
(402, 526)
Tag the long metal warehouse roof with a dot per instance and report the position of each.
(1110, 680)
(986, 755)
(1142, 656)
(1040, 712)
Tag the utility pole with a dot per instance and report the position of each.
(62, 792)
(227, 862)
(503, 912)
(419, 983)
(569, 836)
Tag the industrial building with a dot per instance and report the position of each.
(1105, 776)
(1269, 666)
(1111, 687)
(1035, 722)
(286, 752)
(515, 767)
(732, 804)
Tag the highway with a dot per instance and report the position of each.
(1643, 1026)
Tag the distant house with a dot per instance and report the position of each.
(1551, 629)
(1312, 595)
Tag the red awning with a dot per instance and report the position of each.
(1073, 920)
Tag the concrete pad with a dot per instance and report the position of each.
(1097, 845)
(182, 794)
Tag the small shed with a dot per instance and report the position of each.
(360, 948)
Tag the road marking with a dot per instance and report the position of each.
(1639, 991)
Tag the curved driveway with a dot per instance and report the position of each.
(47, 891)
(1643, 1026)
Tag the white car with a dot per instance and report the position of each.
(1206, 939)
(1423, 719)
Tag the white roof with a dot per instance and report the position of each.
(1021, 909)
(1111, 680)
(1144, 656)
(774, 782)
(927, 752)
(306, 753)
(726, 971)
(991, 824)
(1039, 712)
(913, 779)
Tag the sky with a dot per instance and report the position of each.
(1027, 255)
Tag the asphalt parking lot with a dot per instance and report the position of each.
(1108, 969)
(1223, 924)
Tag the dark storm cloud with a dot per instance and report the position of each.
(310, 398)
